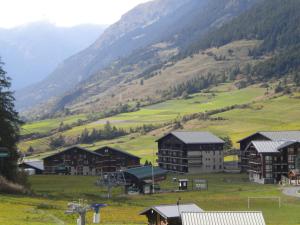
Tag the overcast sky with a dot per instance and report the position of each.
(63, 12)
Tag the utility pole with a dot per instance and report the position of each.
(153, 182)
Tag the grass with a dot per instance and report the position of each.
(279, 113)
(226, 192)
(156, 114)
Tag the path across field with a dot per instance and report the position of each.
(291, 191)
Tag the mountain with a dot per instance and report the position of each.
(275, 22)
(158, 28)
(32, 51)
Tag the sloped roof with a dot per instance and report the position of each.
(145, 171)
(196, 137)
(282, 135)
(73, 147)
(270, 146)
(117, 150)
(171, 211)
(35, 164)
(278, 135)
(222, 218)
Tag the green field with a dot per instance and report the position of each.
(264, 113)
(226, 192)
(156, 114)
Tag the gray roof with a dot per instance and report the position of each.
(278, 135)
(196, 137)
(73, 147)
(282, 135)
(171, 211)
(35, 164)
(270, 146)
(100, 150)
(223, 218)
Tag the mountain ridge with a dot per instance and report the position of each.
(177, 22)
(33, 50)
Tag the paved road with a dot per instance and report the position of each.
(291, 191)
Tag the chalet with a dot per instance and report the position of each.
(37, 167)
(190, 152)
(268, 161)
(73, 161)
(222, 218)
(168, 214)
(116, 159)
(264, 136)
(142, 178)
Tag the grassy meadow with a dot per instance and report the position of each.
(225, 192)
(221, 96)
(266, 112)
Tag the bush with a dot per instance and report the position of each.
(10, 187)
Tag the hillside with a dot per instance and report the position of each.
(32, 51)
(233, 112)
(139, 40)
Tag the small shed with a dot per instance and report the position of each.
(222, 218)
(183, 184)
(141, 177)
(36, 166)
(168, 214)
(294, 177)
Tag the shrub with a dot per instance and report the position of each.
(10, 187)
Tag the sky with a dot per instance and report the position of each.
(65, 13)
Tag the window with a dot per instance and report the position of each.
(268, 175)
(268, 159)
(268, 167)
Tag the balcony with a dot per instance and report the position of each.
(172, 163)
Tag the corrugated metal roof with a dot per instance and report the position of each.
(282, 135)
(267, 146)
(197, 137)
(277, 135)
(222, 218)
(171, 211)
(145, 171)
(270, 146)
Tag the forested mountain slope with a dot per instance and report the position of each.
(276, 22)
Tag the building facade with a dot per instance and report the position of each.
(73, 161)
(168, 214)
(80, 161)
(264, 136)
(116, 159)
(190, 152)
(268, 156)
(268, 161)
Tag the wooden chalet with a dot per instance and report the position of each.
(168, 214)
(268, 161)
(190, 152)
(116, 159)
(73, 161)
(264, 136)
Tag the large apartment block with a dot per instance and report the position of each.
(268, 156)
(190, 152)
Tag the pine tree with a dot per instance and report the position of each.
(9, 123)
